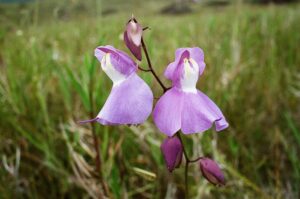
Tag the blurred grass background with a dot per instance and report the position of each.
(46, 63)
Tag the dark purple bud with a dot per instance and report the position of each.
(133, 38)
(211, 171)
(172, 152)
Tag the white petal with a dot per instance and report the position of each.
(190, 76)
(111, 71)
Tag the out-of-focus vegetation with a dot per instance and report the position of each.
(46, 64)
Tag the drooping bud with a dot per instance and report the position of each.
(133, 37)
(172, 152)
(211, 171)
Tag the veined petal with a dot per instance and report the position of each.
(167, 112)
(128, 103)
(199, 113)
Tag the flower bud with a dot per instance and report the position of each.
(133, 37)
(211, 171)
(172, 152)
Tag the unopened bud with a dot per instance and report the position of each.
(172, 152)
(211, 171)
(133, 38)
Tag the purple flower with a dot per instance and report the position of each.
(172, 152)
(130, 100)
(133, 37)
(211, 171)
(183, 106)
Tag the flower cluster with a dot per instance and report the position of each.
(182, 107)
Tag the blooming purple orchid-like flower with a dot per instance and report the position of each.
(211, 171)
(131, 99)
(133, 37)
(183, 106)
(172, 151)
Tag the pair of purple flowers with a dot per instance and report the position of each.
(182, 107)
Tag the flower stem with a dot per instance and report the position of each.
(144, 70)
(186, 171)
(150, 66)
(188, 161)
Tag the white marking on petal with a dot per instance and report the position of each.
(190, 76)
(111, 71)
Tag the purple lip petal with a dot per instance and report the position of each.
(128, 103)
(211, 171)
(189, 112)
(199, 113)
(172, 151)
(167, 112)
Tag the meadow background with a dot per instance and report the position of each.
(252, 52)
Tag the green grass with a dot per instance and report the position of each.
(252, 55)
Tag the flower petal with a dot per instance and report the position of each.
(199, 113)
(221, 122)
(181, 53)
(167, 112)
(173, 69)
(198, 55)
(128, 103)
(119, 59)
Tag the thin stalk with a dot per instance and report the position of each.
(186, 171)
(196, 160)
(144, 70)
(150, 66)
(187, 161)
